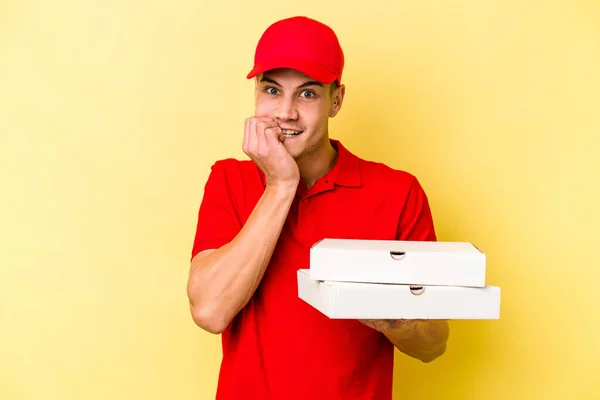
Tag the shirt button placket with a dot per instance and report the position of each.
(303, 223)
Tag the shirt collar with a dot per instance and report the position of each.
(345, 172)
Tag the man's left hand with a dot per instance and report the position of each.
(422, 339)
(385, 325)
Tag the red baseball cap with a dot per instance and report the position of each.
(302, 44)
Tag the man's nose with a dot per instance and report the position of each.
(286, 109)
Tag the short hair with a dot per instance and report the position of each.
(334, 85)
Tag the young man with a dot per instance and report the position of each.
(259, 218)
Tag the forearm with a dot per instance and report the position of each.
(223, 281)
(422, 339)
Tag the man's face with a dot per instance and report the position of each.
(299, 105)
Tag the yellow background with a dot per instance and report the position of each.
(111, 113)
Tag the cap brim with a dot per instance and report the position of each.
(309, 68)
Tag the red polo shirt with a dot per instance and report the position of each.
(278, 347)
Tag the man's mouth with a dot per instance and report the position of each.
(290, 132)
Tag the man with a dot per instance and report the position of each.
(259, 218)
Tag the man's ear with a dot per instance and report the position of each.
(337, 98)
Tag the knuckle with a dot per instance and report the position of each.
(263, 153)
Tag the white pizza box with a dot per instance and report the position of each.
(351, 300)
(401, 262)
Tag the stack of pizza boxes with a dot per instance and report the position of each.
(378, 279)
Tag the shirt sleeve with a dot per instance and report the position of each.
(217, 222)
(416, 221)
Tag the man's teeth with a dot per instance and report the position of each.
(290, 133)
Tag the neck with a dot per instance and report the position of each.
(317, 163)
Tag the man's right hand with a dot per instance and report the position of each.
(223, 280)
(263, 143)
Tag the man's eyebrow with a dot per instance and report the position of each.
(271, 81)
(310, 83)
(305, 84)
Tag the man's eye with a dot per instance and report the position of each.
(308, 94)
(272, 90)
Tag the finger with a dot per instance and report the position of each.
(261, 140)
(245, 140)
(262, 125)
(252, 138)
(268, 121)
(273, 136)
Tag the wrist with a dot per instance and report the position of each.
(282, 189)
(283, 186)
